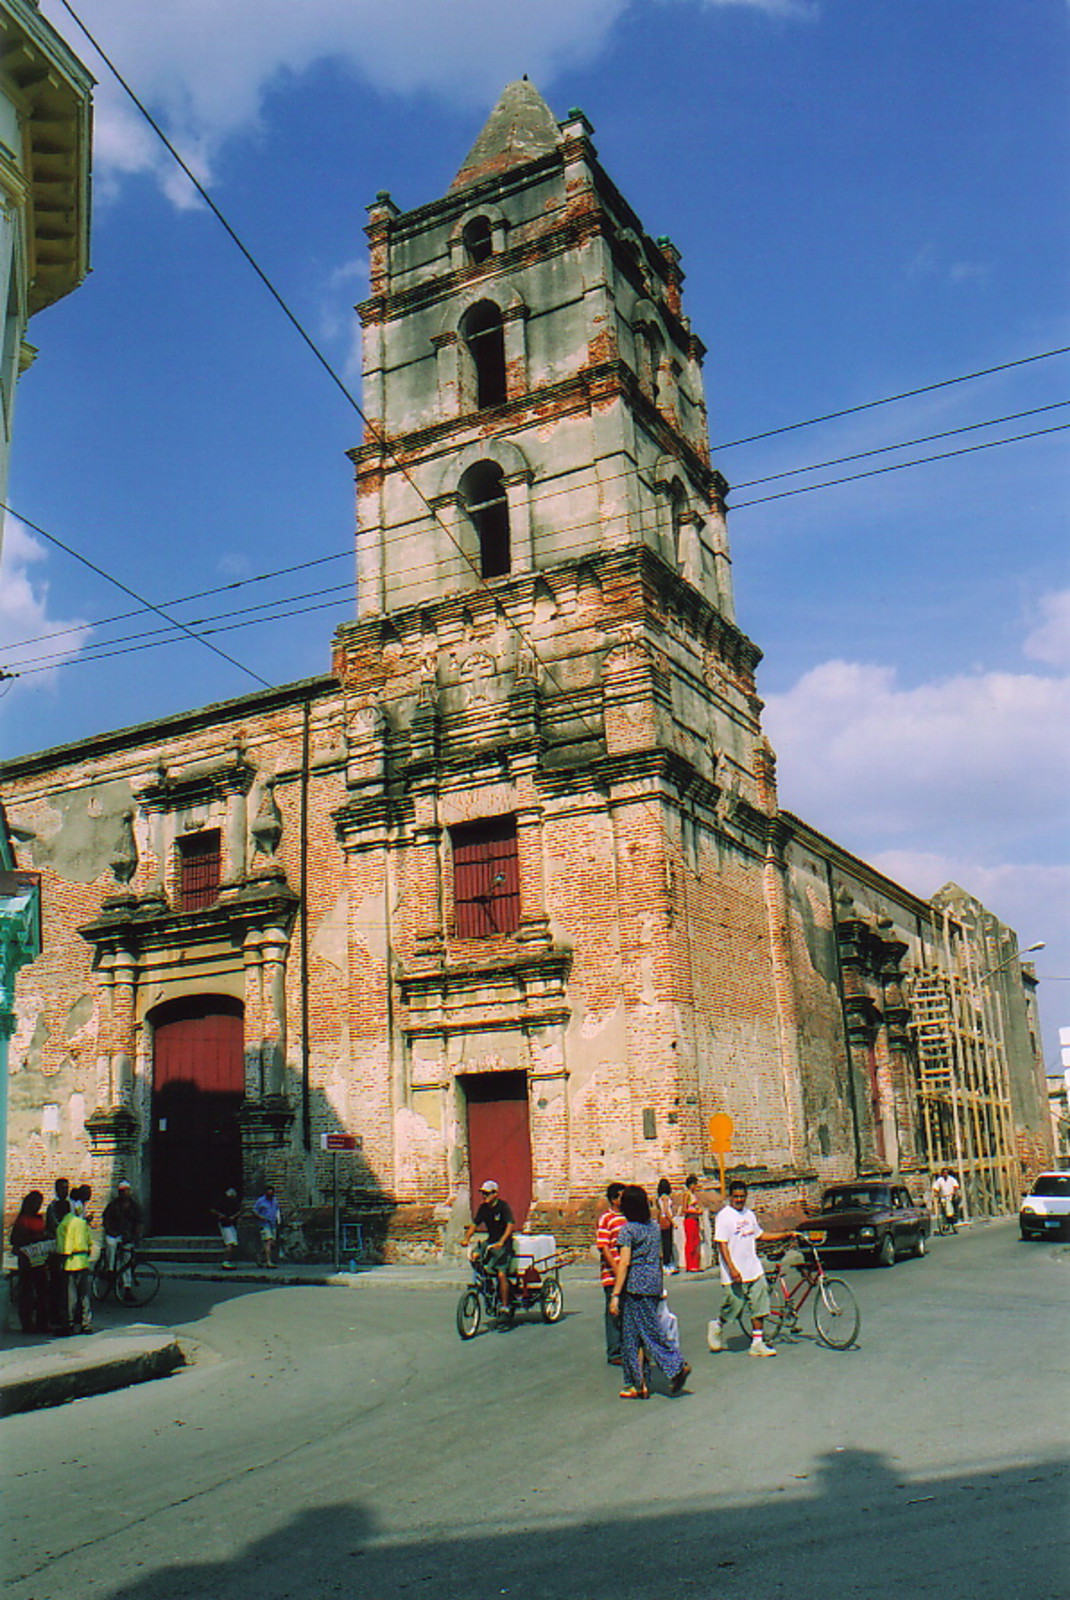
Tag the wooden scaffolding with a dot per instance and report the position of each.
(963, 1075)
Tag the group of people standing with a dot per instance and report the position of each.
(53, 1249)
(693, 1218)
(639, 1327)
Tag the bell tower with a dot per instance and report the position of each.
(533, 386)
(558, 799)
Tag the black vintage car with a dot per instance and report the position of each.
(869, 1221)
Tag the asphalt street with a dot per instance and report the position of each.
(338, 1442)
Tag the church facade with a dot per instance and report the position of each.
(508, 891)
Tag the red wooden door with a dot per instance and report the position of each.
(198, 1084)
(499, 1138)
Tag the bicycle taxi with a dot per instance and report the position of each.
(534, 1285)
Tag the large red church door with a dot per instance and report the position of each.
(198, 1085)
(499, 1137)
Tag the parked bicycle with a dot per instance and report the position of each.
(837, 1318)
(133, 1282)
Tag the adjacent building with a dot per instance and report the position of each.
(45, 110)
(510, 889)
(45, 145)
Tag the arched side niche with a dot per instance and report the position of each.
(680, 523)
(652, 355)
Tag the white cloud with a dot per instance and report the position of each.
(204, 69)
(24, 615)
(345, 285)
(1050, 639)
(980, 757)
(965, 779)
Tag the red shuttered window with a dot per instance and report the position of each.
(199, 869)
(486, 878)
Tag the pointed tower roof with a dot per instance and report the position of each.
(521, 128)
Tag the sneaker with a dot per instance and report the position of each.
(759, 1347)
(713, 1336)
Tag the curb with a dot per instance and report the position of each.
(74, 1373)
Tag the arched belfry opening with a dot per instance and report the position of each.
(484, 338)
(478, 240)
(483, 495)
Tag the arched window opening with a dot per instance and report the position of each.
(478, 241)
(483, 493)
(484, 338)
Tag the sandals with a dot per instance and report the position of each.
(632, 1393)
(677, 1383)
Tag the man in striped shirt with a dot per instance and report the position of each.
(609, 1225)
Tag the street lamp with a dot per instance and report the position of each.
(1014, 956)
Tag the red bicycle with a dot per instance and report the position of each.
(837, 1318)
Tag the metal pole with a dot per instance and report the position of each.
(337, 1219)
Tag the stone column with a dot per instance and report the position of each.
(448, 372)
(252, 957)
(518, 497)
(124, 980)
(275, 947)
(534, 922)
(516, 361)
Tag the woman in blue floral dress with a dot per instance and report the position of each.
(637, 1296)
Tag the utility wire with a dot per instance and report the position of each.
(140, 598)
(904, 444)
(204, 625)
(545, 495)
(185, 599)
(900, 466)
(108, 648)
(889, 399)
(384, 444)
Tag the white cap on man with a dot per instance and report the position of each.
(488, 1186)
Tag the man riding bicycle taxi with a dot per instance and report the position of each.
(495, 1218)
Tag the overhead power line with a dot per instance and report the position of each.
(546, 494)
(385, 445)
(900, 466)
(890, 399)
(140, 598)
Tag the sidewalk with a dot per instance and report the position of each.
(51, 1371)
(57, 1370)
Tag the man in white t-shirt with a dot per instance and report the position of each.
(738, 1233)
(946, 1194)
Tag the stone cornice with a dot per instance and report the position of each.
(163, 728)
(148, 924)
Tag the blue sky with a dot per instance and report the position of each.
(868, 198)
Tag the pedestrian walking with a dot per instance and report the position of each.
(226, 1214)
(666, 1218)
(739, 1233)
(637, 1292)
(609, 1225)
(268, 1213)
(33, 1252)
(75, 1245)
